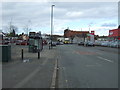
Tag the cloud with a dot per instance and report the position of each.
(91, 9)
(65, 14)
(109, 25)
(74, 14)
(102, 30)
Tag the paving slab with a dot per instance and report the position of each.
(35, 73)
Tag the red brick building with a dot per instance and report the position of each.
(70, 33)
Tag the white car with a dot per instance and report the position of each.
(105, 43)
(97, 43)
(115, 44)
(88, 43)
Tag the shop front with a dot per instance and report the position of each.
(114, 35)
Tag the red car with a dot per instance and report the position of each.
(18, 42)
(24, 43)
(44, 42)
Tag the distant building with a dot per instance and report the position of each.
(46, 38)
(102, 38)
(55, 37)
(77, 39)
(61, 39)
(114, 34)
(70, 33)
(25, 37)
(76, 36)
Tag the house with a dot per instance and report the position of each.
(76, 35)
(61, 39)
(77, 39)
(102, 38)
(25, 37)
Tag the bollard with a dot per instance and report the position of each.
(39, 55)
(49, 46)
(22, 53)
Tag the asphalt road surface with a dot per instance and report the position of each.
(87, 67)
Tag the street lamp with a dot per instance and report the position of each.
(51, 23)
(89, 28)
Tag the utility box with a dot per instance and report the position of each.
(35, 42)
(6, 53)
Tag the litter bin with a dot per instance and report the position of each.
(6, 53)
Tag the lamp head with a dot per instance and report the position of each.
(53, 5)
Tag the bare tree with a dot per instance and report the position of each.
(27, 27)
(11, 29)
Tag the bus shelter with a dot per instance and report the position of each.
(35, 42)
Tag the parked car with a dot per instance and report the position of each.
(105, 43)
(59, 43)
(110, 43)
(44, 42)
(97, 43)
(6, 42)
(18, 42)
(24, 43)
(115, 44)
(54, 43)
(81, 43)
(89, 43)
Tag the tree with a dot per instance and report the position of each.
(13, 28)
(10, 29)
(27, 27)
(12, 32)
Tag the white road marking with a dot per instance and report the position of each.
(105, 59)
(94, 65)
(53, 84)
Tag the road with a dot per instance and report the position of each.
(87, 67)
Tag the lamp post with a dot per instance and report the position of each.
(51, 23)
(89, 28)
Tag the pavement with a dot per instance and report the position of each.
(32, 73)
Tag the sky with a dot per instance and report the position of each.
(78, 16)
